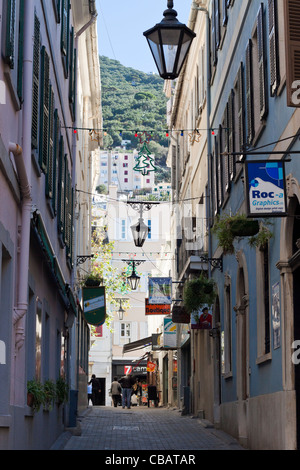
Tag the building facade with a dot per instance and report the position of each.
(39, 308)
(252, 109)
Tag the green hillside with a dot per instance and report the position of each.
(134, 101)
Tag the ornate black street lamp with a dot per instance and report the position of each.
(169, 42)
(140, 232)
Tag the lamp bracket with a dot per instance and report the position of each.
(82, 259)
(134, 261)
(141, 206)
(214, 262)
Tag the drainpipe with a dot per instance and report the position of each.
(22, 292)
(22, 157)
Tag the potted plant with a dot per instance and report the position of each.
(228, 227)
(62, 390)
(93, 280)
(35, 394)
(50, 394)
(197, 292)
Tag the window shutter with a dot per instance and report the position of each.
(249, 93)
(50, 168)
(72, 82)
(213, 35)
(241, 112)
(65, 24)
(224, 12)
(292, 50)
(220, 167)
(116, 332)
(217, 23)
(66, 202)
(263, 103)
(35, 84)
(56, 150)
(20, 51)
(215, 177)
(225, 146)
(9, 51)
(273, 46)
(231, 130)
(44, 110)
(134, 331)
(61, 188)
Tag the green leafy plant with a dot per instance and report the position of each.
(49, 394)
(62, 390)
(262, 238)
(35, 394)
(197, 292)
(92, 279)
(228, 227)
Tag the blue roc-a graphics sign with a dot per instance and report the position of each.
(265, 188)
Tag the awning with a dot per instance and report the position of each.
(140, 344)
(143, 343)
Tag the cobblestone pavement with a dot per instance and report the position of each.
(144, 429)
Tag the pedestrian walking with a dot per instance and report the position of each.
(95, 389)
(116, 391)
(89, 392)
(126, 383)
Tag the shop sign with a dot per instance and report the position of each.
(151, 366)
(94, 307)
(266, 188)
(202, 318)
(180, 315)
(157, 309)
(170, 333)
(160, 290)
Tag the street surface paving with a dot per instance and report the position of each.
(142, 428)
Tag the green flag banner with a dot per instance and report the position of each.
(94, 307)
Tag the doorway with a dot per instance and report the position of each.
(101, 395)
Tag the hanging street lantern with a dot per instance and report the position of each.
(133, 279)
(169, 42)
(140, 232)
(121, 312)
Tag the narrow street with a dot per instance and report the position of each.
(144, 429)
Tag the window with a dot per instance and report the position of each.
(125, 180)
(65, 38)
(125, 165)
(292, 54)
(227, 327)
(12, 49)
(38, 341)
(263, 301)
(149, 226)
(126, 157)
(125, 330)
(273, 47)
(256, 80)
(148, 181)
(125, 172)
(123, 229)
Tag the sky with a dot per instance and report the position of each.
(121, 24)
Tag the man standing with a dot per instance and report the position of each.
(126, 384)
(115, 391)
(95, 389)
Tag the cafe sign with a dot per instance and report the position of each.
(265, 188)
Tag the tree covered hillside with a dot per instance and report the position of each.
(134, 101)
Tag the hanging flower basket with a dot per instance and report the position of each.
(197, 292)
(228, 227)
(92, 280)
(244, 227)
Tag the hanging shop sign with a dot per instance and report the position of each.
(94, 307)
(170, 333)
(266, 188)
(180, 315)
(157, 309)
(151, 366)
(202, 318)
(160, 290)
